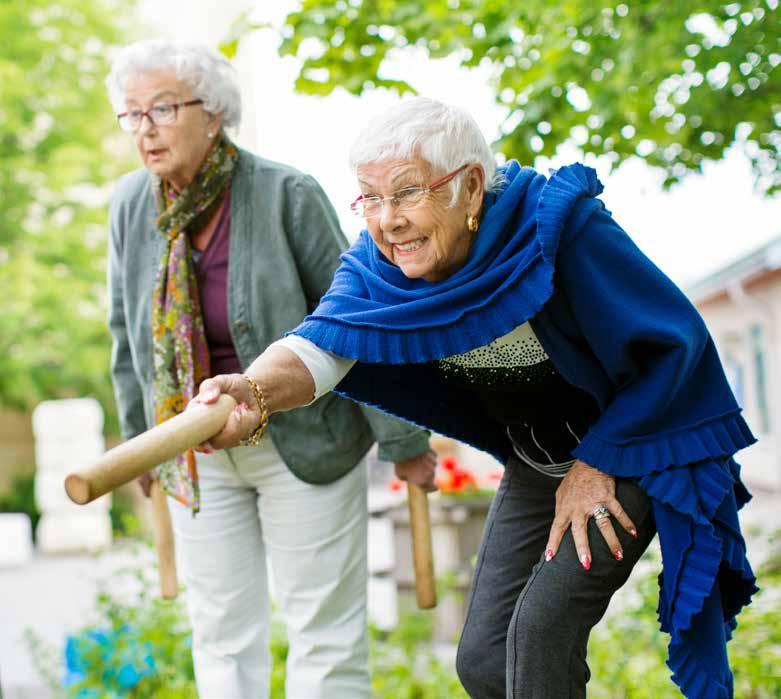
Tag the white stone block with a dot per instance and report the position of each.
(381, 552)
(50, 496)
(445, 547)
(66, 456)
(64, 420)
(85, 530)
(16, 539)
(383, 605)
(68, 437)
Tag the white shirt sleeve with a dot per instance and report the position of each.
(327, 368)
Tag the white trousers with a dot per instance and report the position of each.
(315, 538)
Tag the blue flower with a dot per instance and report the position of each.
(88, 693)
(101, 637)
(115, 654)
(74, 662)
(128, 676)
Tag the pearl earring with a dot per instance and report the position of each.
(210, 135)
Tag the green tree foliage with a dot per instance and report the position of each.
(56, 160)
(675, 83)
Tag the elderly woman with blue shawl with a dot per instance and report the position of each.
(510, 311)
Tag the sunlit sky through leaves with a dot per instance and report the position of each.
(698, 226)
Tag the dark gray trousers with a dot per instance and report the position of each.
(528, 621)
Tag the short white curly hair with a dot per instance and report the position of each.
(209, 75)
(444, 136)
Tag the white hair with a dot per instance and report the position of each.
(207, 73)
(444, 136)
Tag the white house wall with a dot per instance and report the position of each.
(730, 320)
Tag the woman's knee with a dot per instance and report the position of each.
(542, 614)
(480, 668)
(545, 648)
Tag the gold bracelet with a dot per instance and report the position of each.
(257, 435)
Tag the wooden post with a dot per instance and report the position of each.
(164, 542)
(420, 529)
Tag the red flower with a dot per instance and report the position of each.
(396, 485)
(449, 463)
(451, 478)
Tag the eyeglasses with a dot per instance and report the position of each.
(404, 199)
(160, 115)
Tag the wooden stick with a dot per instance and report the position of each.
(420, 529)
(130, 459)
(164, 542)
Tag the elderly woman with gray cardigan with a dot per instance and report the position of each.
(214, 254)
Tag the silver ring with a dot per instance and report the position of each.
(600, 512)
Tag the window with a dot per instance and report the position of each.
(760, 376)
(734, 371)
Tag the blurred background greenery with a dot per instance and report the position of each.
(674, 85)
(58, 157)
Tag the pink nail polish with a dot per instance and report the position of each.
(618, 554)
(548, 554)
(585, 561)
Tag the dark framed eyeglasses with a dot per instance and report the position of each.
(405, 199)
(160, 115)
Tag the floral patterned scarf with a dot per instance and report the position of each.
(179, 348)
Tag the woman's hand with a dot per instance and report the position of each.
(419, 470)
(243, 420)
(581, 491)
(145, 483)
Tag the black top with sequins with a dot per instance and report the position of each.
(517, 384)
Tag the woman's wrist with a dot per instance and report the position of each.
(260, 400)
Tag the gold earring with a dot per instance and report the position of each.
(472, 224)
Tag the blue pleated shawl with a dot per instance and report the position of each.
(549, 252)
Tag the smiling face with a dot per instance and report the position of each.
(173, 152)
(430, 240)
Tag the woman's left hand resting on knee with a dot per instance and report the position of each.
(581, 491)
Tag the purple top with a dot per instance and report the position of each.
(211, 272)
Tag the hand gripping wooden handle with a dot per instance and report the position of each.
(420, 528)
(130, 459)
(164, 542)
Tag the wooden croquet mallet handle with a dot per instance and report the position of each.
(423, 559)
(135, 457)
(164, 542)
